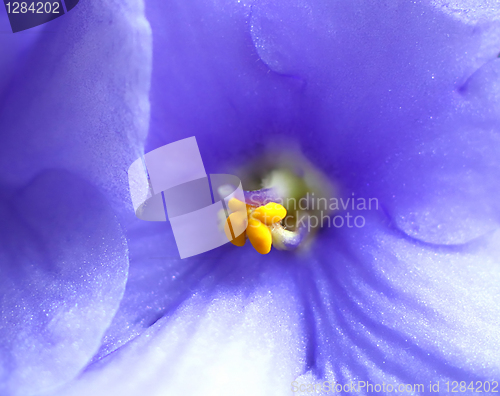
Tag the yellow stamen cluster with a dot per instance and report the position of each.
(254, 223)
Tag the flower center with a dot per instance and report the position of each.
(279, 214)
(256, 223)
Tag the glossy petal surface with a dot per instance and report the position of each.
(235, 331)
(402, 311)
(387, 99)
(63, 273)
(75, 111)
(70, 125)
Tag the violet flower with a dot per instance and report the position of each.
(398, 101)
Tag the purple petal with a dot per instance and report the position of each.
(71, 125)
(158, 281)
(237, 332)
(444, 188)
(208, 81)
(365, 304)
(358, 94)
(15, 49)
(373, 94)
(63, 272)
(470, 11)
(74, 111)
(387, 104)
(402, 311)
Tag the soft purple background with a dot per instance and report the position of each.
(393, 99)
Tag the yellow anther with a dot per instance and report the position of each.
(259, 235)
(235, 225)
(235, 205)
(270, 213)
(255, 221)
